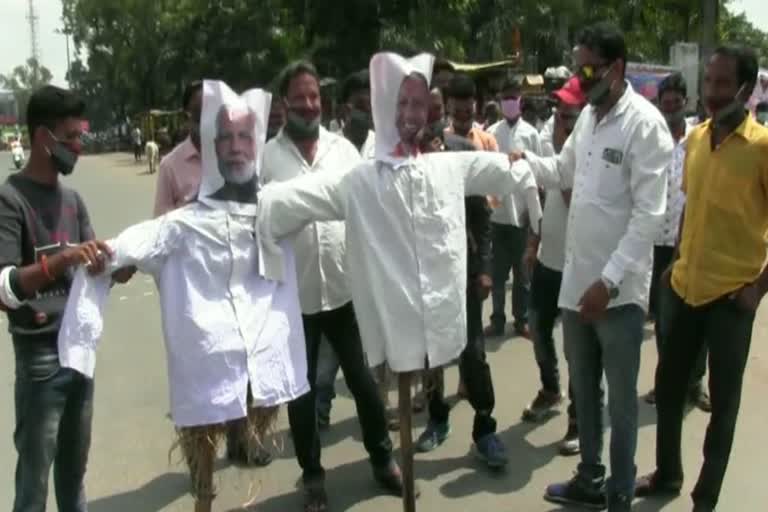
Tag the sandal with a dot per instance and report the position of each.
(315, 498)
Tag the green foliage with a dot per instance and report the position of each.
(23, 80)
(140, 53)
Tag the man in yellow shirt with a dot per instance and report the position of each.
(719, 277)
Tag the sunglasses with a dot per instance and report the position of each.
(589, 72)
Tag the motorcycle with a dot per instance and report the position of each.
(18, 157)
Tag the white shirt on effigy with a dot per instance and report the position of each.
(520, 137)
(319, 247)
(224, 325)
(675, 196)
(405, 241)
(616, 171)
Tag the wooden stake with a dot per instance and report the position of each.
(207, 455)
(406, 441)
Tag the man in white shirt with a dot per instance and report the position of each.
(137, 147)
(614, 162)
(545, 259)
(355, 108)
(509, 220)
(405, 230)
(305, 147)
(673, 95)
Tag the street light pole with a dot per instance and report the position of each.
(66, 33)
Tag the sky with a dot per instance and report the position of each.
(15, 46)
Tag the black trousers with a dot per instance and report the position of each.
(662, 259)
(545, 293)
(726, 329)
(508, 244)
(340, 329)
(475, 372)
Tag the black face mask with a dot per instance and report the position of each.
(359, 125)
(600, 91)
(299, 129)
(62, 158)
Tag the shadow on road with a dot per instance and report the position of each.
(154, 496)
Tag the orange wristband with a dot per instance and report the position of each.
(46, 270)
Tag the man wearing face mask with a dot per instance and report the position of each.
(305, 147)
(356, 112)
(45, 234)
(181, 170)
(462, 110)
(614, 161)
(510, 220)
(718, 278)
(544, 259)
(761, 113)
(672, 101)
(355, 106)
(760, 94)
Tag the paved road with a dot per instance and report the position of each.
(130, 470)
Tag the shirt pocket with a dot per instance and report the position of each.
(609, 180)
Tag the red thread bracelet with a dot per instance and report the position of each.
(46, 270)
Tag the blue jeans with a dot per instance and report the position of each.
(54, 409)
(611, 345)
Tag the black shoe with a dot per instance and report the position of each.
(494, 331)
(650, 485)
(580, 491)
(650, 398)
(323, 422)
(570, 444)
(698, 397)
(390, 478)
(255, 456)
(542, 405)
(703, 508)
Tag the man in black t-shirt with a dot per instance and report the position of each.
(45, 233)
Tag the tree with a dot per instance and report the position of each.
(23, 81)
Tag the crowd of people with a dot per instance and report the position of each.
(375, 248)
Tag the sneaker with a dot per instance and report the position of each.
(650, 398)
(570, 444)
(580, 491)
(650, 485)
(542, 405)
(390, 478)
(699, 398)
(433, 436)
(491, 450)
(494, 331)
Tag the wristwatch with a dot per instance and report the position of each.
(613, 288)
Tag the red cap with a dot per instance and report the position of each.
(571, 93)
